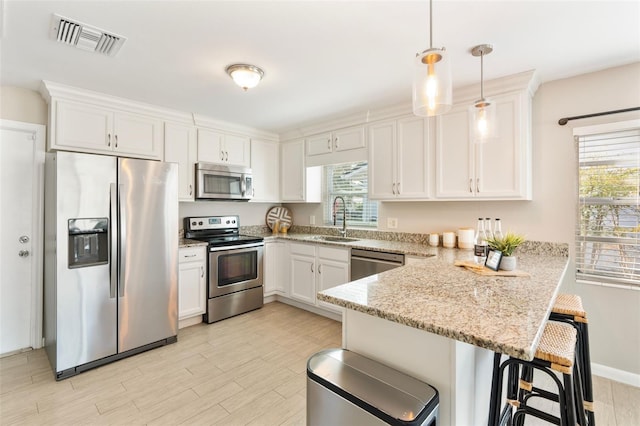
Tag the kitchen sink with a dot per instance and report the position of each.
(333, 239)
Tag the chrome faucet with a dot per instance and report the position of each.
(343, 231)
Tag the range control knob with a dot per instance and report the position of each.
(199, 223)
(194, 223)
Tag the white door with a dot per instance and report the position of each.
(21, 171)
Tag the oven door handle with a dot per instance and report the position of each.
(242, 246)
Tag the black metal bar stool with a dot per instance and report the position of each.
(556, 353)
(568, 308)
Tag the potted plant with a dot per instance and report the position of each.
(506, 244)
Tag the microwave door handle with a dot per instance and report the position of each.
(243, 185)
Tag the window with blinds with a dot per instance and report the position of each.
(349, 181)
(608, 234)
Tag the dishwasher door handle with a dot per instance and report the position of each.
(368, 259)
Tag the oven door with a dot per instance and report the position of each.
(234, 268)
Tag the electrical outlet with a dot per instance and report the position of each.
(392, 222)
(312, 220)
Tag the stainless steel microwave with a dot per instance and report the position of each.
(219, 182)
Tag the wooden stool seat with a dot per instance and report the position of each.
(569, 304)
(558, 346)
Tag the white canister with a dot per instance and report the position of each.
(449, 239)
(434, 240)
(465, 238)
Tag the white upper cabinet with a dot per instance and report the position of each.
(86, 127)
(499, 169)
(399, 153)
(265, 167)
(180, 146)
(339, 140)
(298, 182)
(223, 148)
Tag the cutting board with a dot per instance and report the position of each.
(472, 266)
(281, 214)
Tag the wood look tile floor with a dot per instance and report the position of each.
(246, 370)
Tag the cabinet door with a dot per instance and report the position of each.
(192, 288)
(83, 128)
(319, 144)
(501, 163)
(237, 150)
(265, 166)
(180, 146)
(382, 146)
(138, 135)
(210, 146)
(351, 138)
(302, 278)
(293, 171)
(412, 179)
(455, 176)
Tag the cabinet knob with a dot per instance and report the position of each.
(23, 253)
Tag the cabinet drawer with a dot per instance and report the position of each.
(191, 254)
(303, 249)
(341, 255)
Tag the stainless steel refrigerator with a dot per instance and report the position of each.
(111, 258)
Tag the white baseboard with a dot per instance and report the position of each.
(611, 373)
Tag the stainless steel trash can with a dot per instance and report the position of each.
(345, 388)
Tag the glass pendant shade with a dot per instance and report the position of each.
(483, 121)
(432, 94)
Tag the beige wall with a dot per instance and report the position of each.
(614, 313)
(19, 104)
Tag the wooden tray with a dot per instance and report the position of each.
(470, 265)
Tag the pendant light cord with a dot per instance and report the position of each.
(430, 24)
(482, 75)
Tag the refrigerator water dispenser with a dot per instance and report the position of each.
(88, 242)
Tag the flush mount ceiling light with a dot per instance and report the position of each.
(432, 79)
(245, 76)
(483, 111)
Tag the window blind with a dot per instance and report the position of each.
(608, 234)
(349, 181)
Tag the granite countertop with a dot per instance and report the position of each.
(503, 314)
(185, 242)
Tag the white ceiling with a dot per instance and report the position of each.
(321, 58)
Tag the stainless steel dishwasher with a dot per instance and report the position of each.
(368, 262)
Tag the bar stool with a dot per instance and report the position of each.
(568, 308)
(556, 353)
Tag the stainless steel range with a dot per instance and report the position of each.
(235, 275)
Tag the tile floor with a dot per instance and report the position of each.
(247, 370)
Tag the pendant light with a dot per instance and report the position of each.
(432, 78)
(245, 75)
(483, 111)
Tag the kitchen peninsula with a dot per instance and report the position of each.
(441, 323)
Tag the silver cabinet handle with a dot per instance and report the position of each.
(116, 136)
(226, 156)
(319, 269)
(393, 188)
(108, 139)
(398, 188)
(190, 255)
(221, 155)
(337, 144)
(253, 192)
(190, 189)
(201, 271)
(329, 144)
(23, 253)
(478, 185)
(470, 185)
(312, 267)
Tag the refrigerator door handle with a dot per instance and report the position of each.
(113, 229)
(122, 240)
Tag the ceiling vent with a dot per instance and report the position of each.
(86, 37)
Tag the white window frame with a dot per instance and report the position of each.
(328, 198)
(583, 275)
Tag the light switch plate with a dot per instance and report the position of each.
(392, 222)
(312, 220)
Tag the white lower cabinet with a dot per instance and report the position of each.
(276, 267)
(313, 268)
(192, 290)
